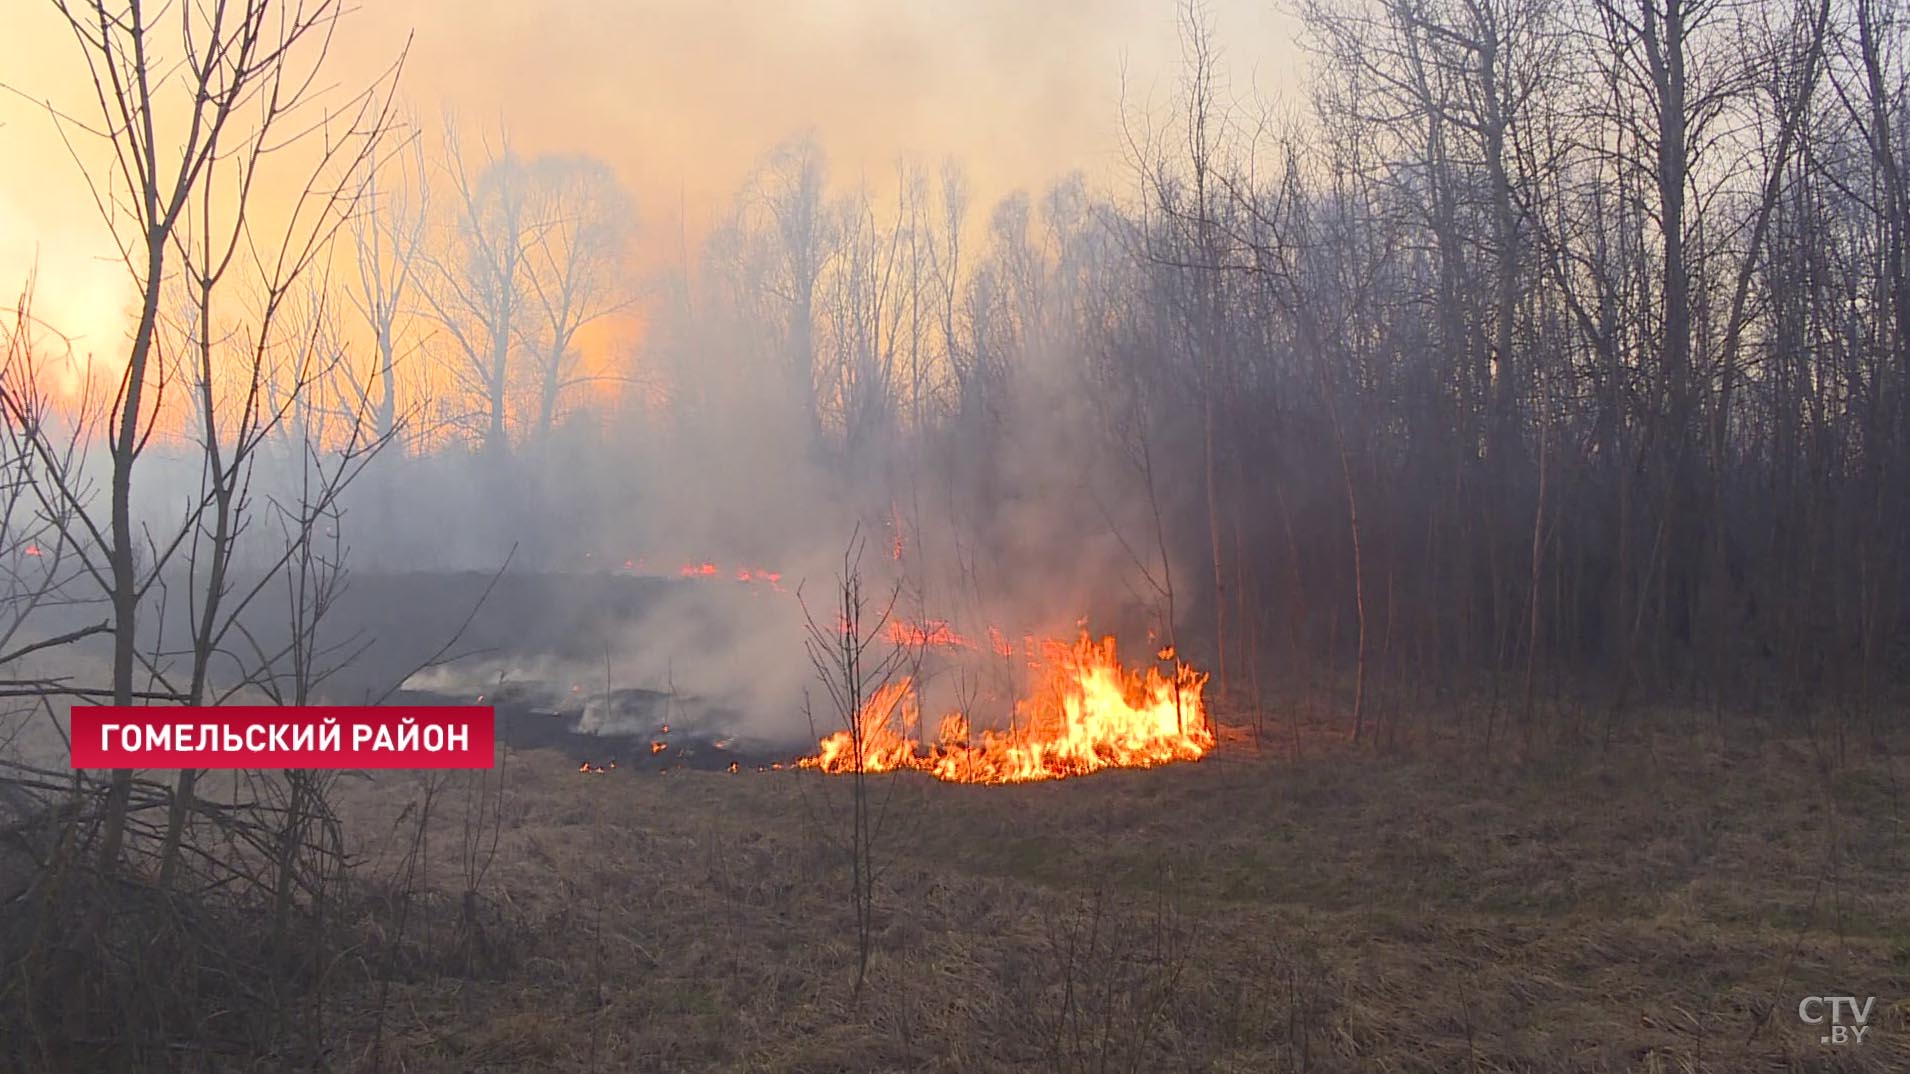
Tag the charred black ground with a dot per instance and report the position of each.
(545, 650)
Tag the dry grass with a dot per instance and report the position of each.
(1661, 907)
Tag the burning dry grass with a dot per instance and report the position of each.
(1085, 712)
(1646, 910)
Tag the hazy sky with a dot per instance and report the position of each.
(681, 96)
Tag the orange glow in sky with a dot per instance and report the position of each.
(681, 97)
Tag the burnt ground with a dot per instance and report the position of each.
(387, 625)
(675, 732)
(1661, 905)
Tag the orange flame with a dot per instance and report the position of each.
(750, 576)
(1086, 713)
(1000, 643)
(929, 633)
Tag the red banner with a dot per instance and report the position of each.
(264, 736)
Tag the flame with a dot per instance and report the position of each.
(1000, 643)
(1085, 713)
(929, 633)
(750, 576)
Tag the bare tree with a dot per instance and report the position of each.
(388, 235)
(791, 189)
(241, 91)
(478, 280)
(575, 269)
(854, 665)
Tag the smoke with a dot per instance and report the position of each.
(734, 533)
(711, 655)
(941, 433)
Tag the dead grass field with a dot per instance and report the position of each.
(1661, 906)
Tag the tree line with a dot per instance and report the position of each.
(1550, 350)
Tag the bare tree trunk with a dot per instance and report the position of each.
(1538, 564)
(125, 586)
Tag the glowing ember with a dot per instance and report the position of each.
(658, 747)
(1086, 713)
